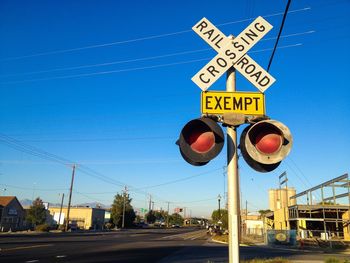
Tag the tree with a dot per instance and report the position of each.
(264, 212)
(36, 214)
(151, 217)
(117, 211)
(176, 219)
(223, 217)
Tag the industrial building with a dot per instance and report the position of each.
(322, 211)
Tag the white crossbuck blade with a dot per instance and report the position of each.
(232, 51)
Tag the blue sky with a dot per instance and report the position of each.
(107, 85)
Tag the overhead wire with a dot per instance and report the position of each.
(129, 69)
(140, 38)
(17, 145)
(139, 59)
(279, 34)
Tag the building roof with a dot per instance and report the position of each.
(5, 200)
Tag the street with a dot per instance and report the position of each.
(136, 245)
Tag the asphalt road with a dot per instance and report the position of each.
(142, 245)
(138, 245)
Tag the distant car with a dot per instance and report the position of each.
(142, 225)
(175, 226)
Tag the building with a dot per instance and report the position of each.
(12, 214)
(279, 201)
(82, 217)
(322, 211)
(279, 198)
(252, 224)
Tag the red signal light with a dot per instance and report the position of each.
(201, 140)
(268, 142)
(265, 144)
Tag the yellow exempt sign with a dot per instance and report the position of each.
(219, 102)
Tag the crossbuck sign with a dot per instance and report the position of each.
(232, 51)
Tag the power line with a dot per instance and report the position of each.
(36, 189)
(11, 142)
(279, 34)
(139, 59)
(139, 39)
(130, 69)
(179, 180)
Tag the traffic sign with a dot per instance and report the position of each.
(233, 52)
(220, 102)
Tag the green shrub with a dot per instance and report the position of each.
(42, 228)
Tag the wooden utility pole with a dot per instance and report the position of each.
(70, 197)
(124, 197)
(167, 218)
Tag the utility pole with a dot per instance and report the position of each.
(124, 196)
(232, 179)
(59, 217)
(185, 216)
(70, 197)
(219, 199)
(246, 216)
(150, 202)
(167, 218)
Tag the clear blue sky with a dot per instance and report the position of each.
(107, 84)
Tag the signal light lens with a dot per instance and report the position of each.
(265, 144)
(201, 141)
(268, 143)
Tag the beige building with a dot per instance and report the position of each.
(279, 201)
(252, 224)
(279, 198)
(82, 217)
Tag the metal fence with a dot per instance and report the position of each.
(321, 234)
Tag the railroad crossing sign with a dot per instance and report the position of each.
(220, 102)
(232, 51)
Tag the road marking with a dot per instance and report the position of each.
(27, 247)
(32, 261)
(61, 256)
(187, 235)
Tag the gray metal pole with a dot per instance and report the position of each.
(232, 180)
(70, 197)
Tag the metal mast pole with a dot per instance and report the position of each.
(232, 180)
(70, 197)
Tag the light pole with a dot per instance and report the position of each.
(219, 199)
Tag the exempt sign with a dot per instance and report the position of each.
(219, 102)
